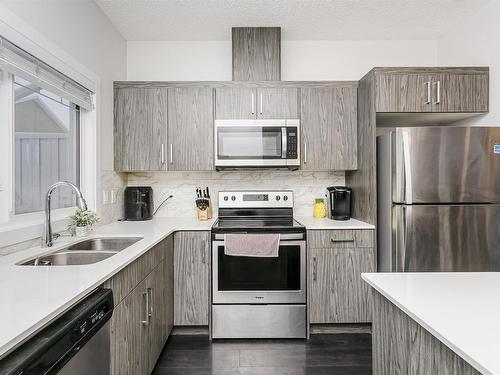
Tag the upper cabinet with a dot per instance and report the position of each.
(329, 128)
(256, 53)
(432, 90)
(190, 129)
(140, 129)
(236, 103)
(160, 128)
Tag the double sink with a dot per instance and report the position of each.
(84, 252)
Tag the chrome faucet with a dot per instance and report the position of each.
(47, 240)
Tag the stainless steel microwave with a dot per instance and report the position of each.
(257, 144)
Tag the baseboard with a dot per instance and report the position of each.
(341, 328)
(189, 330)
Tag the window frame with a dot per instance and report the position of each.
(22, 34)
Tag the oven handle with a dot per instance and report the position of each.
(283, 236)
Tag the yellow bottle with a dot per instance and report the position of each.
(319, 210)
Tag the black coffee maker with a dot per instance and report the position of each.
(138, 203)
(339, 202)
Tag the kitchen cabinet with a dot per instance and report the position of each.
(143, 315)
(439, 90)
(336, 292)
(329, 128)
(191, 278)
(190, 129)
(256, 53)
(140, 129)
(237, 103)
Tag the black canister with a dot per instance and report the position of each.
(138, 203)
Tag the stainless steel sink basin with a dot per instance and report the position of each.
(88, 251)
(104, 244)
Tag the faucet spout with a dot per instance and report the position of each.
(82, 205)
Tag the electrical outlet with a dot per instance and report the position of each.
(105, 196)
(113, 196)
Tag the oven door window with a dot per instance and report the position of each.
(249, 142)
(252, 273)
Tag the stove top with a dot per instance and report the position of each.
(261, 225)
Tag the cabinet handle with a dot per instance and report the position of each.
(149, 291)
(438, 92)
(203, 255)
(315, 269)
(145, 300)
(428, 86)
(305, 153)
(253, 103)
(162, 154)
(171, 153)
(261, 104)
(334, 240)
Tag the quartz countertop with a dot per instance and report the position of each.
(33, 296)
(317, 224)
(460, 309)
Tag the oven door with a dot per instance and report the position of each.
(250, 143)
(255, 280)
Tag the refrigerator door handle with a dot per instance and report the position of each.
(402, 240)
(407, 180)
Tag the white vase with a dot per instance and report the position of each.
(82, 231)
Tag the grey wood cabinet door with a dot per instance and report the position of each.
(277, 103)
(140, 129)
(405, 92)
(256, 53)
(191, 278)
(329, 128)
(235, 103)
(457, 92)
(160, 288)
(337, 294)
(129, 334)
(190, 129)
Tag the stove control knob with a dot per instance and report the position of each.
(278, 197)
(233, 198)
(226, 198)
(285, 197)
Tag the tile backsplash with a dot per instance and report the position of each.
(305, 186)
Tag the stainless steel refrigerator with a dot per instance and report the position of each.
(439, 199)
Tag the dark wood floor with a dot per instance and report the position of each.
(339, 354)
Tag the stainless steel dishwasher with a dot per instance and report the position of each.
(76, 343)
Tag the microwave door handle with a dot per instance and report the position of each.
(284, 141)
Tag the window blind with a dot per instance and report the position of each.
(19, 62)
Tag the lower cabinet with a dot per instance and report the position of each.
(191, 278)
(336, 292)
(143, 319)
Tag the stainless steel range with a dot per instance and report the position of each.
(259, 297)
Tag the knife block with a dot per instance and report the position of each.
(202, 214)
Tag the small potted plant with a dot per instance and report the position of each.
(81, 221)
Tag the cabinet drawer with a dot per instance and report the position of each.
(127, 279)
(320, 239)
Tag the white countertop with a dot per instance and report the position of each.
(462, 310)
(32, 296)
(314, 224)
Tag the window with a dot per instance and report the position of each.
(47, 133)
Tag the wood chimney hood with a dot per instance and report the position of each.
(256, 53)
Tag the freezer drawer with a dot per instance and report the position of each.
(428, 238)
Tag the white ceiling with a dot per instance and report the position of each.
(299, 19)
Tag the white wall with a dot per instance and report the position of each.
(475, 42)
(81, 29)
(300, 60)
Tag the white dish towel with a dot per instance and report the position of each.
(265, 245)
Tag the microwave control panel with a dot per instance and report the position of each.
(291, 149)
